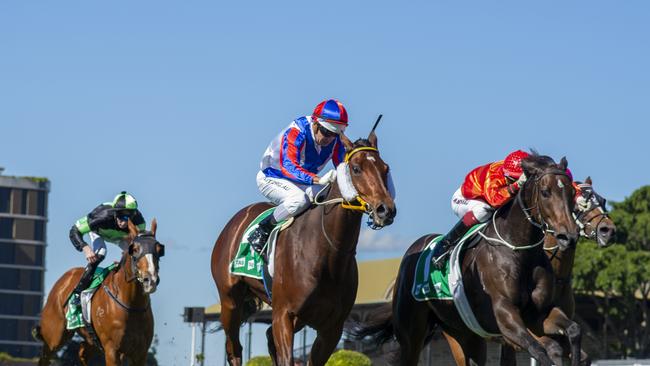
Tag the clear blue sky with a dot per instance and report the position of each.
(176, 102)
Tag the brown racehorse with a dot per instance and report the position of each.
(315, 276)
(508, 281)
(595, 225)
(121, 308)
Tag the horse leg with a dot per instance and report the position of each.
(553, 349)
(283, 329)
(323, 346)
(508, 355)
(138, 360)
(111, 356)
(86, 353)
(412, 323)
(271, 345)
(53, 334)
(557, 323)
(513, 329)
(467, 349)
(231, 319)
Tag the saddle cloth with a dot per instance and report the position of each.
(432, 284)
(80, 315)
(247, 261)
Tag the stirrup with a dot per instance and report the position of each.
(438, 262)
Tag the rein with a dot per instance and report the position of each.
(361, 205)
(128, 280)
(526, 210)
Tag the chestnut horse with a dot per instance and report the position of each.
(508, 281)
(315, 278)
(596, 225)
(121, 308)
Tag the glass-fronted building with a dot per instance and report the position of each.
(23, 220)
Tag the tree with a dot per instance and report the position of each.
(632, 218)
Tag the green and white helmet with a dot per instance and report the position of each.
(125, 201)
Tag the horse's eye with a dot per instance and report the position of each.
(356, 170)
(546, 193)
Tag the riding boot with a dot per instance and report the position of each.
(448, 242)
(258, 237)
(84, 281)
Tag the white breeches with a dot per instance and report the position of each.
(461, 205)
(291, 198)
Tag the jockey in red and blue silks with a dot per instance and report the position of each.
(288, 174)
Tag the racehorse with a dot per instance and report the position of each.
(506, 276)
(596, 225)
(315, 272)
(122, 320)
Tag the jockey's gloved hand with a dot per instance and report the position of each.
(520, 182)
(329, 177)
(90, 255)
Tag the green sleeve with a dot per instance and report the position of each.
(82, 225)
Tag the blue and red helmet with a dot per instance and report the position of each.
(332, 115)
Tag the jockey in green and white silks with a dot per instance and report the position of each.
(108, 222)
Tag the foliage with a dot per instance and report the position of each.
(348, 358)
(632, 218)
(260, 361)
(617, 282)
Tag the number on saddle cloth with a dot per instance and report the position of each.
(75, 315)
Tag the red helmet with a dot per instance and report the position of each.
(332, 115)
(512, 164)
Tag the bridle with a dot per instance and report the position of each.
(357, 204)
(594, 202)
(537, 222)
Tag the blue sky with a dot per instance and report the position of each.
(176, 103)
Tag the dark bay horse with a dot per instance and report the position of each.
(315, 278)
(596, 225)
(508, 281)
(121, 308)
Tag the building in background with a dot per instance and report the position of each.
(23, 220)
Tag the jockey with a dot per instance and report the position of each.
(288, 171)
(485, 189)
(107, 222)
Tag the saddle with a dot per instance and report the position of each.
(80, 316)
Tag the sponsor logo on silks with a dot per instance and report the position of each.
(240, 262)
(426, 289)
(251, 265)
(438, 287)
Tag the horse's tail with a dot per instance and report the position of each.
(36, 333)
(379, 327)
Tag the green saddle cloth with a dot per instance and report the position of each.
(74, 315)
(247, 261)
(431, 283)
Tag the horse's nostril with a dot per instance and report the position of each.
(604, 230)
(381, 209)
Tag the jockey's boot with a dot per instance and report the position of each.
(448, 242)
(84, 281)
(258, 237)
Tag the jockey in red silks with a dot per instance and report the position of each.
(485, 189)
(288, 171)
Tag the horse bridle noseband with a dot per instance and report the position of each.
(543, 226)
(594, 204)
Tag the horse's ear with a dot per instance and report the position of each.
(373, 139)
(588, 180)
(563, 163)
(346, 142)
(154, 226)
(530, 167)
(133, 231)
